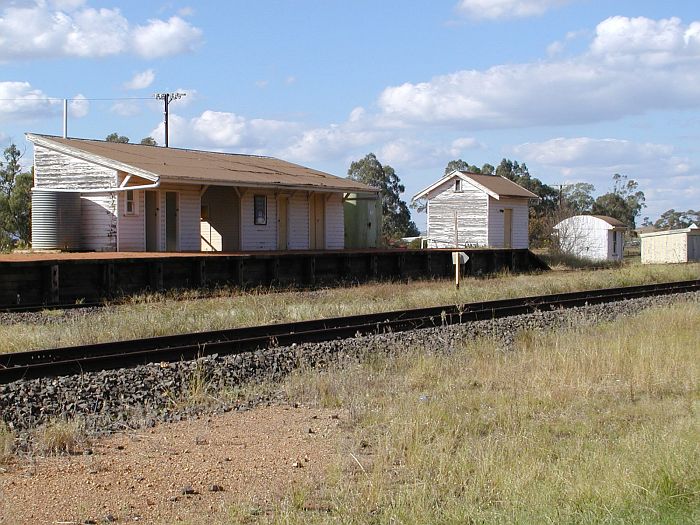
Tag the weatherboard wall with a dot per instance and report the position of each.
(469, 206)
(519, 224)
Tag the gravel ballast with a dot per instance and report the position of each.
(115, 400)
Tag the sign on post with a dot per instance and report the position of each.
(458, 259)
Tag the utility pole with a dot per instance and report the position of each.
(167, 98)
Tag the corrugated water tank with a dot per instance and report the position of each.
(55, 220)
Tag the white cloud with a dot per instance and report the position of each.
(40, 29)
(20, 101)
(291, 79)
(262, 84)
(125, 108)
(619, 75)
(224, 130)
(160, 38)
(667, 179)
(418, 153)
(495, 9)
(585, 151)
(141, 80)
(78, 106)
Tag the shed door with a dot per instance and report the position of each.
(151, 221)
(317, 222)
(171, 221)
(508, 228)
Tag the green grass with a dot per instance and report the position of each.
(595, 425)
(162, 315)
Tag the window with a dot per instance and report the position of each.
(260, 210)
(130, 203)
(458, 185)
(614, 243)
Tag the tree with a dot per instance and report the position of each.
(578, 197)
(116, 137)
(488, 169)
(148, 141)
(673, 220)
(396, 216)
(461, 165)
(624, 202)
(15, 200)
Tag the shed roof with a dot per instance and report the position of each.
(693, 229)
(612, 221)
(191, 166)
(494, 185)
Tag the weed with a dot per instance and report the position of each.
(595, 424)
(60, 436)
(7, 443)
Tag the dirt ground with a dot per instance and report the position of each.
(239, 457)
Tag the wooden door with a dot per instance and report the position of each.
(151, 221)
(508, 228)
(320, 217)
(317, 222)
(282, 228)
(171, 230)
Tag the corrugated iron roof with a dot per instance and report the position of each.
(611, 221)
(500, 185)
(197, 166)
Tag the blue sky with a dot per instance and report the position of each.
(577, 89)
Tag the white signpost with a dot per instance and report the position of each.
(458, 259)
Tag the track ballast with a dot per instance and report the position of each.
(122, 354)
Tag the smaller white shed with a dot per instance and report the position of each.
(473, 209)
(593, 237)
(671, 246)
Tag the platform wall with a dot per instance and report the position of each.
(65, 281)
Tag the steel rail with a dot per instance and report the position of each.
(121, 354)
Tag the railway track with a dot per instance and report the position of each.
(121, 354)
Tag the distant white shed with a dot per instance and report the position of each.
(593, 237)
(671, 246)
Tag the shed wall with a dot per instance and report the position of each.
(98, 222)
(258, 236)
(57, 170)
(132, 228)
(668, 248)
(520, 221)
(588, 237)
(471, 207)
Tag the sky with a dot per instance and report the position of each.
(576, 89)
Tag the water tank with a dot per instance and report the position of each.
(55, 220)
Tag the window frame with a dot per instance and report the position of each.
(260, 210)
(128, 201)
(458, 185)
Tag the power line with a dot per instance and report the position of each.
(41, 99)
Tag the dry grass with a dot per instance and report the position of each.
(7, 443)
(60, 436)
(595, 425)
(157, 315)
